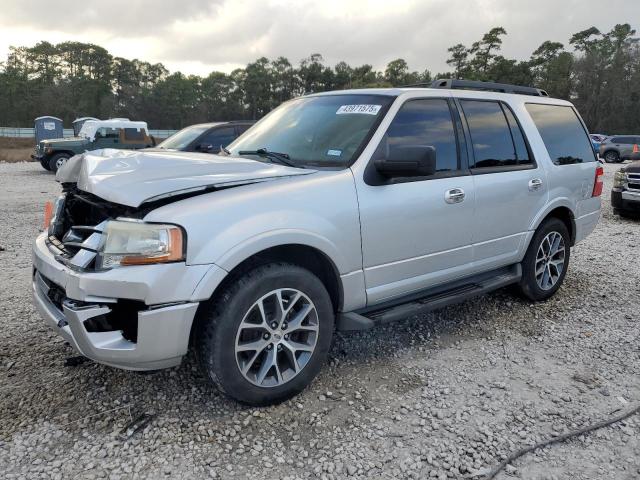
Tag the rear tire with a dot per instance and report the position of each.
(58, 160)
(612, 157)
(546, 261)
(266, 335)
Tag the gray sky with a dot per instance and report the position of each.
(198, 36)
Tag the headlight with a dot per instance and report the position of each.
(619, 179)
(138, 243)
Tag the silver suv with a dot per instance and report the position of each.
(339, 210)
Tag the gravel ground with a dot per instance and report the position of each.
(442, 395)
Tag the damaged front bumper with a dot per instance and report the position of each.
(146, 337)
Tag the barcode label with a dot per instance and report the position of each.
(363, 109)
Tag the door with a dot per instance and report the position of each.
(510, 187)
(106, 138)
(416, 231)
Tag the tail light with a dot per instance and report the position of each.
(598, 184)
(48, 214)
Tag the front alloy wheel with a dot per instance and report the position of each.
(264, 337)
(276, 337)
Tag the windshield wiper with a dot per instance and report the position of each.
(282, 158)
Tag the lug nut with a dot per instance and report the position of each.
(279, 347)
(274, 324)
(270, 346)
(286, 337)
(266, 336)
(284, 326)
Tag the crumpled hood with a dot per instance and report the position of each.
(134, 177)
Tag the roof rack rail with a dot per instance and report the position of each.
(453, 83)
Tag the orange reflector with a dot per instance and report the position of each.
(48, 214)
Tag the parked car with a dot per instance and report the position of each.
(625, 195)
(596, 140)
(338, 210)
(118, 133)
(205, 137)
(619, 148)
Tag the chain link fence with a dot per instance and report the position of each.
(68, 132)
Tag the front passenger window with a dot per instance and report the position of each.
(424, 122)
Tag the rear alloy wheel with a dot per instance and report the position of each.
(611, 157)
(550, 260)
(57, 161)
(266, 335)
(546, 261)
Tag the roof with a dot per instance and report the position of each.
(90, 127)
(83, 119)
(48, 116)
(445, 92)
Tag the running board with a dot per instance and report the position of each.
(458, 292)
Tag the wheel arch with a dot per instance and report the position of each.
(57, 152)
(563, 213)
(306, 256)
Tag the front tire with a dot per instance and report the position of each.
(266, 335)
(546, 261)
(58, 160)
(45, 164)
(612, 157)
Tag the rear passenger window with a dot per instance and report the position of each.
(496, 141)
(423, 122)
(562, 133)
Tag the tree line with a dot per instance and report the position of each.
(599, 72)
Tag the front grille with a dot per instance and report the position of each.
(76, 233)
(633, 181)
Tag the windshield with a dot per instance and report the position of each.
(327, 130)
(183, 138)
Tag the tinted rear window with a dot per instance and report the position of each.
(562, 133)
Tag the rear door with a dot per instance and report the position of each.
(416, 231)
(510, 186)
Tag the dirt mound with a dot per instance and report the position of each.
(14, 149)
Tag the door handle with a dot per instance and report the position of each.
(454, 195)
(535, 184)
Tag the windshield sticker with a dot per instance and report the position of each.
(365, 109)
(334, 153)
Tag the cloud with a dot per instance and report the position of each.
(198, 36)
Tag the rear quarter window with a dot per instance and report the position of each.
(563, 133)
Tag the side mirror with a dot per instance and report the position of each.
(408, 161)
(205, 147)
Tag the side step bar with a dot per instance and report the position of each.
(431, 300)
